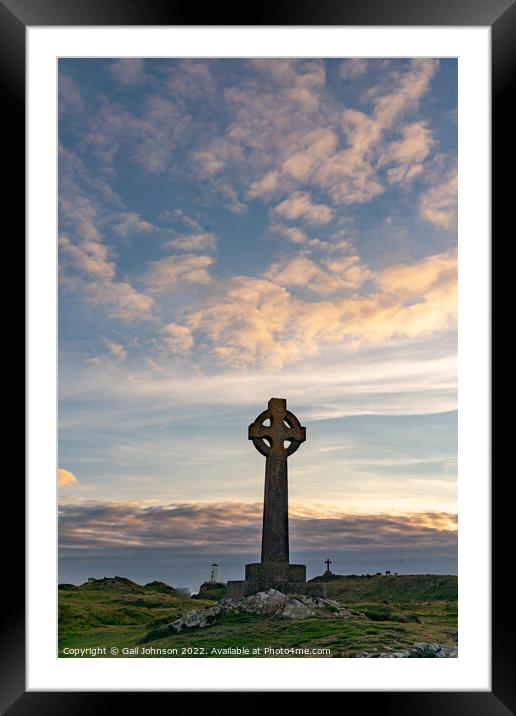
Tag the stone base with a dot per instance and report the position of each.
(275, 572)
(260, 576)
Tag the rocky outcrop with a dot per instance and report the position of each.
(271, 603)
(420, 650)
(198, 618)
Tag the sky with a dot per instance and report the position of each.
(236, 230)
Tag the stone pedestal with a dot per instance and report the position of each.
(260, 576)
(275, 572)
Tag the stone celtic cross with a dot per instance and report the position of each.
(276, 433)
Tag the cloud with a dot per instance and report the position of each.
(408, 153)
(269, 112)
(65, 478)
(412, 280)
(178, 339)
(275, 130)
(192, 79)
(314, 147)
(167, 274)
(438, 204)
(353, 68)
(337, 243)
(292, 233)
(280, 133)
(312, 311)
(404, 377)
(147, 137)
(116, 350)
(116, 353)
(351, 176)
(334, 276)
(299, 206)
(130, 222)
(70, 98)
(193, 242)
(90, 257)
(256, 321)
(86, 263)
(178, 215)
(229, 196)
(98, 285)
(301, 80)
(128, 71)
(349, 154)
(125, 302)
(407, 92)
(158, 131)
(234, 527)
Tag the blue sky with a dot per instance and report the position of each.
(233, 230)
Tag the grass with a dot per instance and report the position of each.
(400, 588)
(92, 617)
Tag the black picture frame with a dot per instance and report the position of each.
(500, 15)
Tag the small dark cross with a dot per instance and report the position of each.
(327, 563)
(276, 433)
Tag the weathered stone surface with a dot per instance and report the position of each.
(276, 433)
(295, 609)
(263, 602)
(268, 603)
(270, 440)
(418, 650)
(198, 618)
(275, 572)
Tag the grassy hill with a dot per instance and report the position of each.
(400, 610)
(402, 587)
(119, 607)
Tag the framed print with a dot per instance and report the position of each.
(258, 353)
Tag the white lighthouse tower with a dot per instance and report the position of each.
(215, 574)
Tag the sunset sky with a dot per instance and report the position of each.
(234, 230)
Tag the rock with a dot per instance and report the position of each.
(424, 646)
(315, 602)
(332, 603)
(344, 613)
(421, 650)
(198, 618)
(271, 603)
(267, 602)
(297, 610)
(438, 651)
